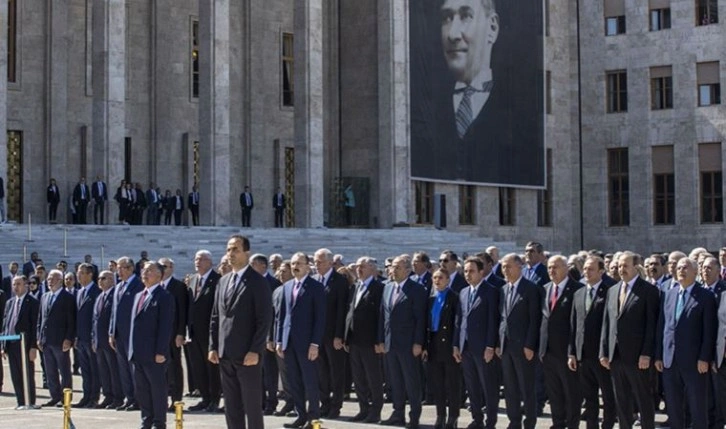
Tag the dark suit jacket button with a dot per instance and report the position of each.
(445, 328)
(443, 340)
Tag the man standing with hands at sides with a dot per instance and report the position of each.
(99, 192)
(246, 203)
(151, 327)
(627, 342)
(401, 335)
(561, 383)
(86, 302)
(52, 196)
(119, 330)
(475, 341)
(300, 330)
(584, 348)
(105, 355)
(240, 322)
(684, 343)
(21, 316)
(332, 355)
(278, 203)
(56, 332)
(202, 288)
(194, 205)
(521, 309)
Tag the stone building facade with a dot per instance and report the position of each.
(312, 96)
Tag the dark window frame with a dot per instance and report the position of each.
(616, 83)
(664, 199)
(618, 187)
(661, 93)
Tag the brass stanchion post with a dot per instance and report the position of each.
(179, 411)
(67, 396)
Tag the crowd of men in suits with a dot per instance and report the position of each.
(633, 331)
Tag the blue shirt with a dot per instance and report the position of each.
(436, 309)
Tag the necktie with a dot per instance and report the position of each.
(81, 295)
(198, 287)
(121, 291)
(680, 303)
(295, 291)
(723, 273)
(14, 318)
(395, 294)
(359, 295)
(464, 115)
(510, 297)
(83, 192)
(247, 198)
(553, 298)
(588, 297)
(472, 297)
(231, 287)
(141, 301)
(99, 303)
(623, 295)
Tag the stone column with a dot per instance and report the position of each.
(214, 113)
(109, 94)
(394, 120)
(309, 163)
(4, 91)
(56, 108)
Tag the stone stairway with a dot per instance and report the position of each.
(104, 242)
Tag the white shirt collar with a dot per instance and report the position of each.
(484, 76)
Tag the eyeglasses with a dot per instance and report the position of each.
(444, 261)
(33, 283)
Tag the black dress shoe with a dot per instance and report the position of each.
(284, 410)
(199, 407)
(213, 407)
(373, 418)
(114, 405)
(475, 425)
(123, 406)
(333, 414)
(80, 404)
(393, 421)
(412, 425)
(133, 407)
(92, 404)
(268, 411)
(52, 403)
(106, 402)
(440, 420)
(171, 409)
(451, 424)
(359, 417)
(298, 423)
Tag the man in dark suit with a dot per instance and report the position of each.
(627, 342)
(180, 300)
(493, 252)
(301, 326)
(421, 264)
(450, 261)
(105, 356)
(99, 193)
(361, 334)
(52, 196)
(655, 266)
(56, 332)
(489, 275)
(684, 343)
(119, 330)
(536, 270)
(152, 320)
(202, 288)
(671, 264)
(521, 311)
(85, 304)
(332, 356)
(270, 369)
(241, 319)
(177, 204)
(81, 197)
(4, 297)
(29, 266)
(154, 201)
(194, 205)
(711, 276)
(475, 341)
(278, 204)
(561, 383)
(21, 316)
(584, 347)
(7, 282)
(246, 203)
(718, 367)
(401, 335)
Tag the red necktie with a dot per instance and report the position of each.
(141, 301)
(553, 299)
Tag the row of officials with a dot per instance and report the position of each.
(449, 333)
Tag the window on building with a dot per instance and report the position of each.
(660, 19)
(12, 40)
(288, 77)
(506, 206)
(548, 99)
(467, 206)
(617, 91)
(709, 164)
(709, 83)
(664, 188)
(424, 202)
(618, 184)
(195, 58)
(661, 88)
(614, 17)
(544, 197)
(706, 12)
(128, 162)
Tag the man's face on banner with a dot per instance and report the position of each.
(468, 32)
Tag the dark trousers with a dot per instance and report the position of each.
(98, 212)
(593, 377)
(302, 375)
(482, 384)
(332, 376)
(150, 379)
(242, 396)
(109, 374)
(57, 363)
(270, 377)
(16, 373)
(206, 374)
(246, 216)
(191, 384)
(715, 412)
(81, 210)
(405, 382)
(177, 217)
(126, 371)
(283, 378)
(367, 371)
(174, 373)
(720, 392)
(52, 211)
(152, 215)
(279, 218)
(632, 383)
(167, 217)
(518, 374)
(563, 390)
(89, 371)
(444, 378)
(195, 214)
(683, 384)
